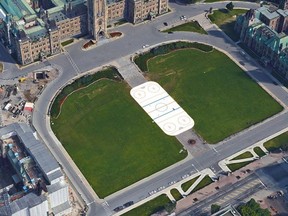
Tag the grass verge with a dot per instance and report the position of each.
(236, 166)
(225, 20)
(278, 142)
(203, 183)
(259, 151)
(185, 186)
(150, 207)
(243, 156)
(65, 43)
(176, 194)
(192, 26)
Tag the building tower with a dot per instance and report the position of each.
(283, 4)
(97, 18)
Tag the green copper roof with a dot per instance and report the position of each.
(17, 8)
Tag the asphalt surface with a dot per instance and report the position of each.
(197, 208)
(77, 61)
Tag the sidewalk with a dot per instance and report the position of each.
(210, 190)
(129, 71)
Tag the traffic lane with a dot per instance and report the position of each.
(141, 191)
(206, 160)
(224, 192)
(39, 118)
(254, 134)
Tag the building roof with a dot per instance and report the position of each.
(268, 12)
(283, 13)
(61, 208)
(45, 161)
(56, 187)
(29, 200)
(38, 150)
(17, 8)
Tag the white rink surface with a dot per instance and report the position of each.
(162, 108)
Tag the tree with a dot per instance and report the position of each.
(190, 1)
(210, 10)
(230, 6)
(170, 207)
(252, 208)
(215, 208)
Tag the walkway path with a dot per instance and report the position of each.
(129, 71)
(225, 191)
(203, 21)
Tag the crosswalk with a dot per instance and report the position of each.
(106, 208)
(72, 62)
(235, 193)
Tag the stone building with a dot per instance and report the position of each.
(264, 31)
(34, 29)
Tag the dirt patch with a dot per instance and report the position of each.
(115, 34)
(88, 44)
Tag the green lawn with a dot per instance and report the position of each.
(236, 166)
(278, 142)
(259, 151)
(185, 186)
(175, 193)
(213, 90)
(150, 207)
(65, 43)
(203, 183)
(192, 26)
(225, 20)
(243, 156)
(111, 139)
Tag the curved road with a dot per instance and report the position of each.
(76, 61)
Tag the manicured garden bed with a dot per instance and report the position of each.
(185, 186)
(191, 26)
(236, 166)
(259, 151)
(65, 43)
(243, 156)
(176, 194)
(203, 183)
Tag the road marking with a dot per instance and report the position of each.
(215, 149)
(91, 203)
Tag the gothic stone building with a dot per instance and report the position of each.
(34, 29)
(264, 31)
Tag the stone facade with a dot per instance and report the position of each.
(140, 10)
(264, 31)
(37, 31)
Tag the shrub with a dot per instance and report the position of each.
(230, 6)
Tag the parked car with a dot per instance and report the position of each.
(128, 204)
(119, 208)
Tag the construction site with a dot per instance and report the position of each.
(18, 97)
